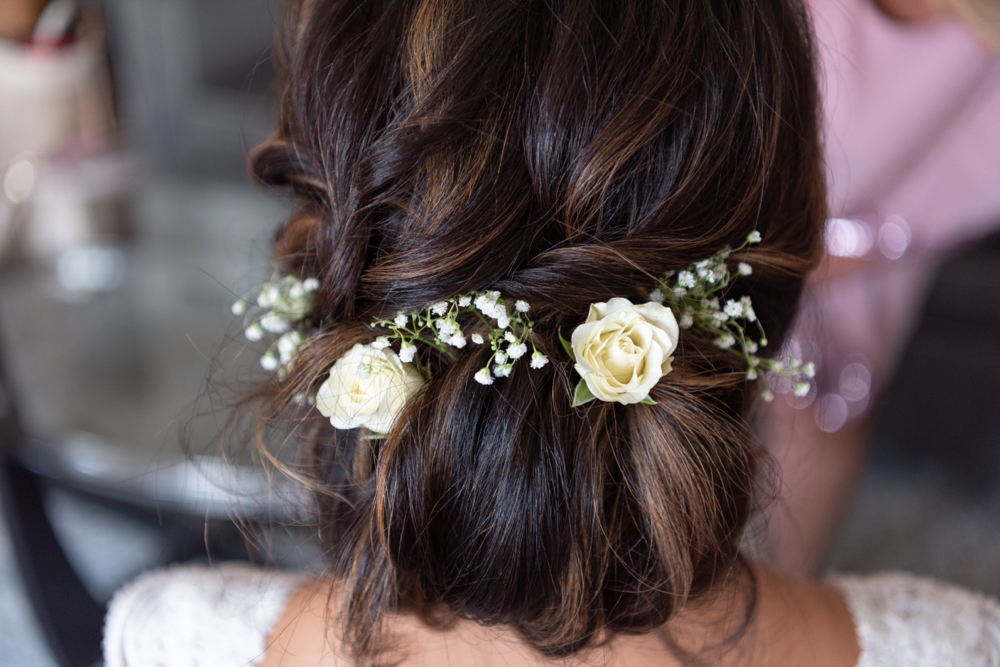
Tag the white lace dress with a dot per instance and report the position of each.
(196, 616)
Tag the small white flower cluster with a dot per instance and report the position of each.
(437, 325)
(281, 307)
(697, 295)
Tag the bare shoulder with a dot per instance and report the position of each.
(805, 622)
(797, 623)
(302, 638)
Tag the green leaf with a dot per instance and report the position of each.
(648, 401)
(581, 394)
(567, 346)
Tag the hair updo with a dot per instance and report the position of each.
(562, 152)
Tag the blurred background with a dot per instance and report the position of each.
(127, 229)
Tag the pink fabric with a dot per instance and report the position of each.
(912, 122)
(912, 138)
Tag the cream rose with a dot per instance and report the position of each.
(367, 387)
(623, 350)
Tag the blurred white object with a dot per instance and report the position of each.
(19, 181)
(52, 97)
(91, 269)
(60, 218)
(55, 100)
(847, 238)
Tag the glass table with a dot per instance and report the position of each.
(109, 347)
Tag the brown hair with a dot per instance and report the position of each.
(561, 152)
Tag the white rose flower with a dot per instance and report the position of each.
(367, 387)
(623, 349)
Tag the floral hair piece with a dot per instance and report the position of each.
(282, 307)
(369, 386)
(620, 352)
(696, 294)
(623, 349)
(437, 326)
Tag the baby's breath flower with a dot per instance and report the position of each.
(381, 343)
(310, 284)
(269, 362)
(254, 332)
(725, 341)
(694, 296)
(437, 325)
(503, 370)
(487, 303)
(656, 295)
(275, 323)
(767, 395)
(517, 351)
(288, 345)
(407, 351)
(538, 359)
(801, 389)
(288, 305)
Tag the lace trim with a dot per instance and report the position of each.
(197, 616)
(908, 621)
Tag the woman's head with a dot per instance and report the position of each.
(563, 153)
